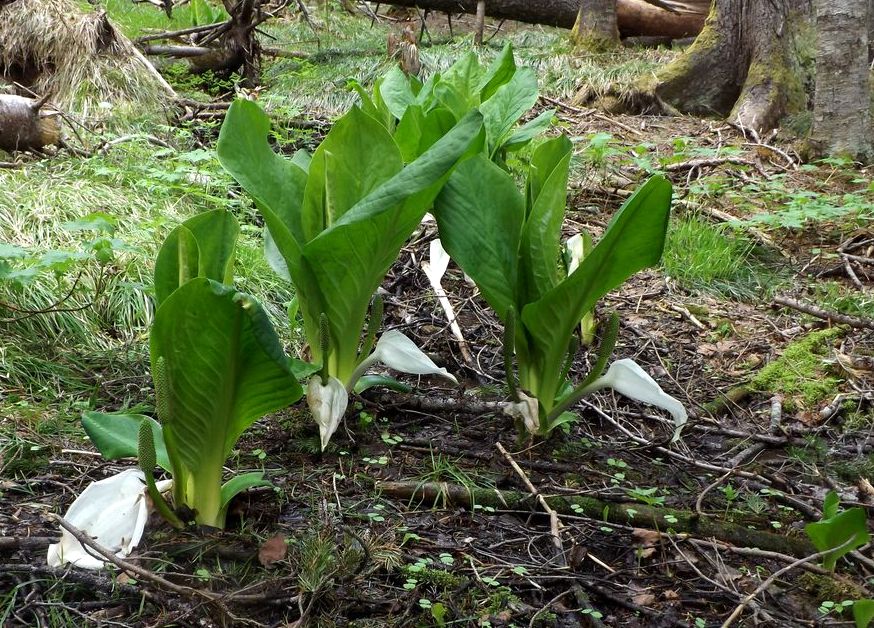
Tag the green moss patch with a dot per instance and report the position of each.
(802, 374)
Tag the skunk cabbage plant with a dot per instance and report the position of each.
(420, 113)
(335, 224)
(217, 365)
(510, 244)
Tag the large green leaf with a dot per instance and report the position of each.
(418, 131)
(634, 240)
(223, 368)
(459, 87)
(529, 130)
(508, 104)
(277, 185)
(499, 73)
(541, 236)
(117, 435)
(480, 213)
(839, 531)
(356, 156)
(349, 260)
(202, 246)
(396, 92)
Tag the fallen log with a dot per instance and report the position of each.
(25, 126)
(638, 515)
(635, 18)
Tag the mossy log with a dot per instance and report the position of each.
(24, 125)
(634, 17)
(633, 514)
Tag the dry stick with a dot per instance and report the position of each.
(554, 522)
(179, 33)
(833, 317)
(155, 74)
(851, 273)
(770, 580)
(147, 575)
(555, 530)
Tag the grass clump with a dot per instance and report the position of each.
(714, 259)
(802, 374)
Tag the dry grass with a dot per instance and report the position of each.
(76, 56)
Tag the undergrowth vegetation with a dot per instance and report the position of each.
(170, 294)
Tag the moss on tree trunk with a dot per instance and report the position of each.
(743, 65)
(596, 27)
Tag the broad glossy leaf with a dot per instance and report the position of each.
(509, 103)
(356, 156)
(349, 260)
(418, 131)
(202, 246)
(116, 436)
(370, 381)
(634, 240)
(397, 92)
(842, 533)
(863, 613)
(499, 73)
(240, 483)
(276, 184)
(529, 130)
(541, 235)
(459, 87)
(224, 368)
(479, 214)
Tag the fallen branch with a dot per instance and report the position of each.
(639, 515)
(818, 312)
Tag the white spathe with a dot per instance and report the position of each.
(327, 403)
(627, 378)
(576, 252)
(438, 262)
(113, 512)
(400, 353)
(526, 409)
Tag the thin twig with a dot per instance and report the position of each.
(770, 580)
(554, 522)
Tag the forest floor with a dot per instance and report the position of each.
(760, 319)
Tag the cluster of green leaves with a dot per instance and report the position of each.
(418, 113)
(19, 267)
(337, 220)
(839, 532)
(217, 366)
(509, 242)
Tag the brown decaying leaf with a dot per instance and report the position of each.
(273, 549)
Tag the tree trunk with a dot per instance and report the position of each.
(596, 27)
(743, 65)
(841, 106)
(634, 17)
(480, 22)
